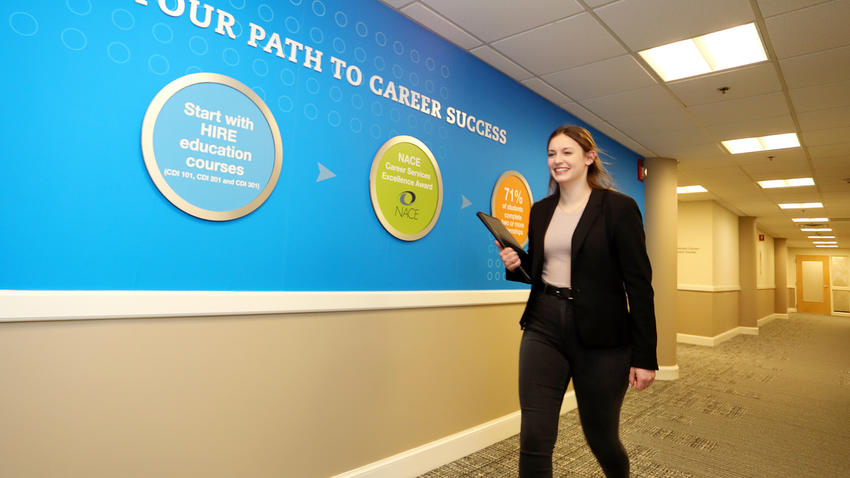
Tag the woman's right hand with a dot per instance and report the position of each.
(509, 257)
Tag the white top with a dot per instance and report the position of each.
(557, 247)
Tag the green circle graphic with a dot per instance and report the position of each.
(406, 188)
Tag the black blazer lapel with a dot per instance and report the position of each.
(591, 212)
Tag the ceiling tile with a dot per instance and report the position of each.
(817, 68)
(763, 106)
(752, 127)
(791, 169)
(829, 150)
(439, 25)
(826, 136)
(770, 8)
(779, 156)
(671, 144)
(602, 78)
(821, 97)
(823, 119)
(491, 21)
(397, 3)
(641, 102)
(831, 163)
(501, 63)
(534, 49)
(541, 88)
(598, 123)
(742, 82)
(643, 24)
(817, 28)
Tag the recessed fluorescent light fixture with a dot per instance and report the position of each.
(716, 51)
(821, 237)
(786, 183)
(762, 143)
(810, 219)
(801, 205)
(816, 229)
(691, 189)
(824, 242)
(827, 246)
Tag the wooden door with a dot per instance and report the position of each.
(813, 285)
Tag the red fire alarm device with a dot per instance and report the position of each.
(641, 170)
(761, 237)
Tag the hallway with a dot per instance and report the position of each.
(772, 405)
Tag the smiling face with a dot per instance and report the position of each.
(568, 162)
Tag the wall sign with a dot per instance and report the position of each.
(211, 146)
(406, 188)
(511, 202)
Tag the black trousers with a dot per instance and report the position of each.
(550, 355)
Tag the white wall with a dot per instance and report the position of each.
(725, 240)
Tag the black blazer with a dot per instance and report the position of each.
(611, 274)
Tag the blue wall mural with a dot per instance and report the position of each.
(80, 211)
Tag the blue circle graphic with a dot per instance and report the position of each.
(162, 33)
(198, 45)
(285, 104)
(74, 39)
(123, 19)
(261, 68)
(361, 29)
(265, 13)
(23, 24)
(230, 56)
(158, 64)
(339, 45)
(75, 8)
(213, 146)
(398, 48)
(292, 25)
(319, 8)
(360, 54)
(313, 86)
(287, 77)
(118, 52)
(311, 112)
(335, 93)
(381, 39)
(341, 19)
(317, 35)
(334, 119)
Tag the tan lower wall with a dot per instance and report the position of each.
(694, 313)
(725, 311)
(306, 395)
(706, 314)
(765, 299)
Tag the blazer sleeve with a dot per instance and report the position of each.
(629, 242)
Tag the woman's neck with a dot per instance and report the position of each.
(574, 196)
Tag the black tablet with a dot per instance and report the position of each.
(505, 238)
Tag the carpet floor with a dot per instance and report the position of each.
(768, 406)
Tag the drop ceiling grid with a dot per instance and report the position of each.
(815, 74)
(495, 20)
(546, 49)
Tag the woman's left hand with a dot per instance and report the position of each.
(641, 378)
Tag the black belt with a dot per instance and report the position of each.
(559, 292)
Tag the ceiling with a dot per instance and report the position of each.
(582, 55)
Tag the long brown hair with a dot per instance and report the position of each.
(597, 176)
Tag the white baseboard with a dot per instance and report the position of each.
(419, 460)
(770, 318)
(667, 372)
(792, 309)
(717, 339)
